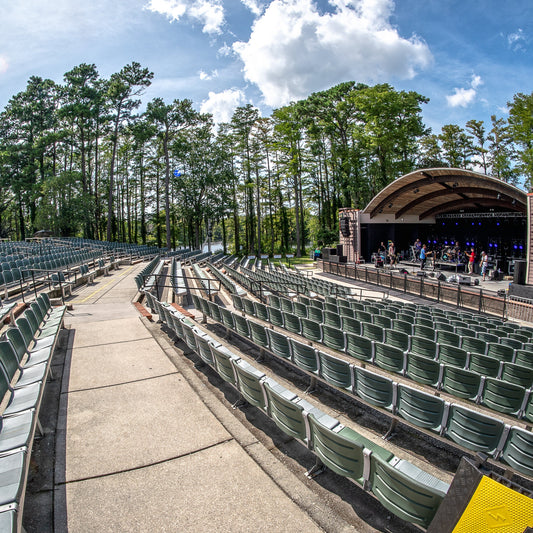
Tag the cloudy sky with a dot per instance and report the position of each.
(469, 57)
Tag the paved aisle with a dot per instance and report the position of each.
(138, 450)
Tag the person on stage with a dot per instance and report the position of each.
(423, 257)
(484, 264)
(471, 259)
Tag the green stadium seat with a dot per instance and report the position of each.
(351, 325)
(242, 325)
(397, 339)
(374, 389)
(518, 451)
(249, 383)
(279, 344)
(423, 346)
(223, 363)
(500, 351)
(261, 311)
(503, 397)
(474, 345)
(424, 370)
(517, 374)
(420, 408)
(452, 355)
(390, 358)
(359, 347)
(461, 383)
(259, 335)
(372, 331)
(448, 337)
(292, 322)
(311, 330)
(276, 317)
(304, 356)
(335, 371)
(334, 338)
(484, 365)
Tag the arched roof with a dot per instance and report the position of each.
(429, 192)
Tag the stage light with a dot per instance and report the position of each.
(497, 223)
(490, 245)
(479, 223)
(520, 247)
(515, 247)
(444, 223)
(445, 242)
(434, 242)
(473, 223)
(457, 223)
(495, 245)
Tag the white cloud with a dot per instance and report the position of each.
(209, 12)
(225, 50)
(517, 40)
(204, 76)
(222, 105)
(255, 6)
(294, 49)
(4, 65)
(463, 97)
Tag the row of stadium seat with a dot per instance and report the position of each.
(469, 428)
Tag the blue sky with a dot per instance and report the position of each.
(469, 57)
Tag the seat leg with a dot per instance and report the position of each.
(391, 431)
(239, 403)
(317, 469)
(312, 386)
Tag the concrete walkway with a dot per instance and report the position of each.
(141, 447)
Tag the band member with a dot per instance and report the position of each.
(484, 264)
(471, 259)
(391, 253)
(423, 257)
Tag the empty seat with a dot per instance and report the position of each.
(502, 396)
(304, 356)
(500, 351)
(249, 383)
(276, 317)
(242, 326)
(448, 337)
(406, 490)
(372, 331)
(237, 303)
(227, 318)
(223, 363)
(375, 389)
(487, 337)
(332, 319)
(248, 305)
(423, 346)
(261, 311)
(333, 338)
(452, 355)
(485, 365)
(259, 335)
(517, 374)
(311, 330)
(351, 325)
(390, 358)
(204, 351)
(518, 451)
(420, 408)
(214, 311)
(382, 321)
(286, 305)
(279, 344)
(316, 314)
(461, 383)
(335, 371)
(473, 430)
(397, 339)
(473, 345)
(292, 322)
(359, 347)
(464, 331)
(403, 326)
(423, 370)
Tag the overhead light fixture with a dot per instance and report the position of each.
(416, 190)
(390, 205)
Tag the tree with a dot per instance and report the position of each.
(500, 152)
(124, 86)
(521, 131)
(477, 130)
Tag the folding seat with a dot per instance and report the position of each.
(351, 325)
(291, 322)
(474, 430)
(279, 344)
(461, 383)
(332, 319)
(424, 347)
(331, 307)
(300, 309)
(478, 328)
(10, 366)
(13, 473)
(316, 314)
(237, 302)
(425, 322)
(517, 374)
(452, 355)
(406, 490)
(248, 306)
(363, 316)
(448, 337)
(402, 326)
(342, 449)
(204, 350)
(390, 358)
(464, 331)
(304, 356)
(372, 331)
(319, 304)
(18, 399)
(249, 383)
(276, 317)
(519, 337)
(227, 318)
(406, 317)
(177, 325)
(357, 306)
(484, 365)
(473, 345)
(346, 312)
(423, 370)
(304, 300)
(259, 335)
(224, 363)
(382, 321)
(195, 300)
(287, 411)
(359, 347)
(423, 332)
(311, 330)
(444, 326)
(420, 408)
(389, 313)
(286, 305)
(189, 336)
(274, 301)
(242, 325)
(518, 451)
(488, 337)
(375, 389)
(214, 312)
(335, 371)
(397, 339)
(512, 343)
(333, 338)
(204, 304)
(32, 337)
(503, 397)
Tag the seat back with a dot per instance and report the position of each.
(279, 344)
(375, 389)
(304, 356)
(518, 451)
(420, 408)
(249, 383)
(335, 371)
